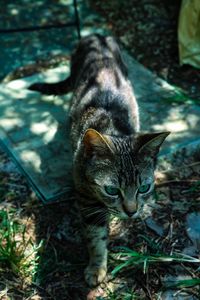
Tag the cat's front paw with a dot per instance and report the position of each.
(95, 275)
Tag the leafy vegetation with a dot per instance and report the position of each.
(129, 258)
(129, 295)
(17, 252)
(178, 96)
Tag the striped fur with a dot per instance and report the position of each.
(109, 151)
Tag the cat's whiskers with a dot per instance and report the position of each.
(88, 208)
(115, 213)
(112, 210)
(92, 213)
(153, 205)
(98, 220)
(89, 211)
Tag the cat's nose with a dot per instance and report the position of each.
(128, 212)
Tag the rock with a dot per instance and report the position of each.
(174, 295)
(154, 226)
(190, 250)
(193, 228)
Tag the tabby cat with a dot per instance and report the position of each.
(113, 163)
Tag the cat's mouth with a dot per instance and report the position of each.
(122, 213)
(131, 214)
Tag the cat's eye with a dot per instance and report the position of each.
(111, 190)
(144, 188)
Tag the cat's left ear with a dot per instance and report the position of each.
(149, 143)
(96, 143)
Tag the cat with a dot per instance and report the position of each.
(113, 162)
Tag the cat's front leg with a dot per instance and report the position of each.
(97, 247)
(96, 233)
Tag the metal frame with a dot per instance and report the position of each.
(35, 28)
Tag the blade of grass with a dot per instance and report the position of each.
(184, 283)
(19, 255)
(131, 258)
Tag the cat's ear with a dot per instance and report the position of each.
(149, 143)
(96, 143)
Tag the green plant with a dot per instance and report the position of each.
(130, 258)
(184, 283)
(194, 188)
(116, 295)
(16, 252)
(179, 96)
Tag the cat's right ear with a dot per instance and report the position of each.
(96, 144)
(150, 142)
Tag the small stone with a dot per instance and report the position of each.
(193, 228)
(173, 295)
(154, 226)
(190, 250)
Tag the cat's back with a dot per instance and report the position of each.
(93, 53)
(102, 92)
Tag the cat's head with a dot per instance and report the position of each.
(119, 172)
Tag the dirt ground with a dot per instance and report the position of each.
(63, 255)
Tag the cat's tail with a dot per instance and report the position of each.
(58, 88)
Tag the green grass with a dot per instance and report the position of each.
(129, 258)
(179, 96)
(184, 283)
(17, 253)
(116, 295)
(194, 188)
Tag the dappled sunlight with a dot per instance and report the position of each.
(88, 30)
(42, 44)
(47, 131)
(34, 131)
(39, 128)
(16, 84)
(32, 159)
(176, 126)
(10, 93)
(165, 85)
(9, 124)
(54, 75)
(182, 125)
(116, 226)
(193, 120)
